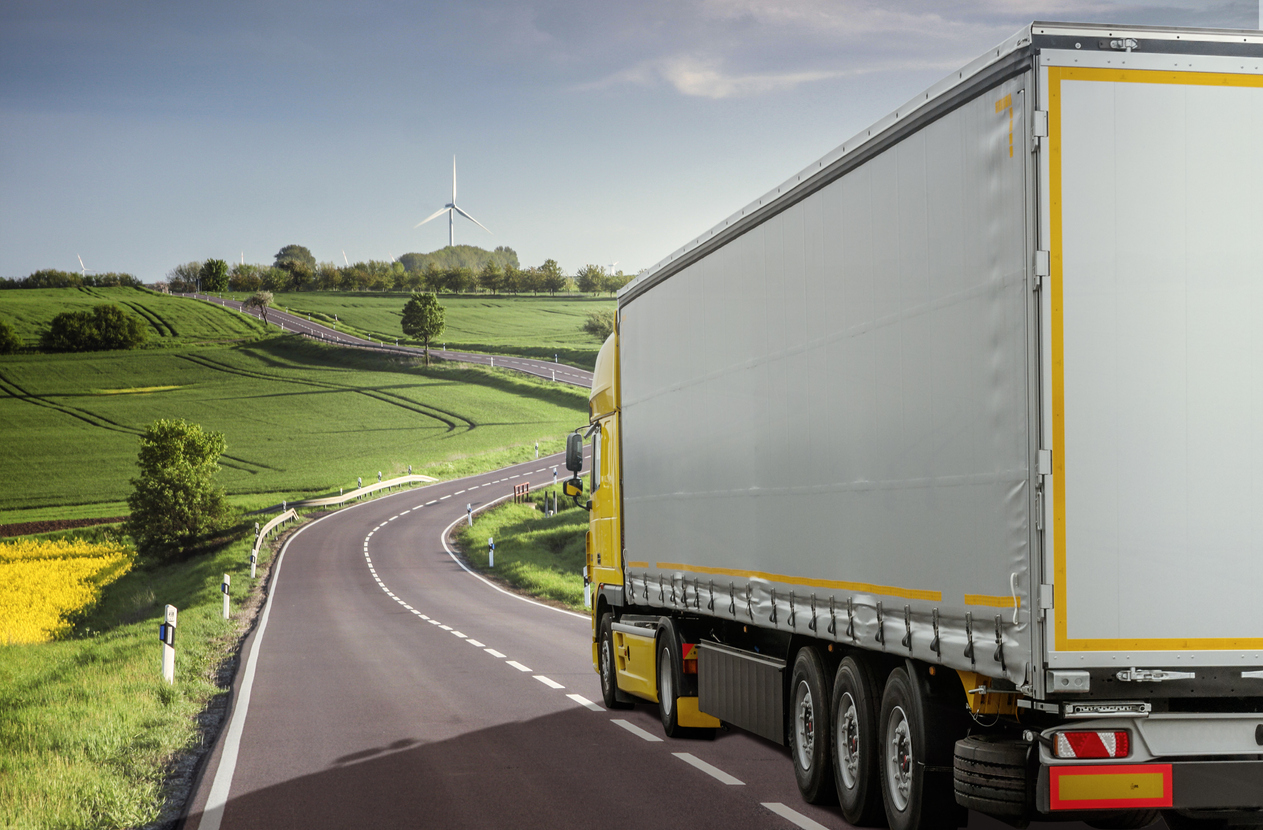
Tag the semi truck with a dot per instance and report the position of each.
(939, 464)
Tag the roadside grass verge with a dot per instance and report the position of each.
(300, 418)
(89, 730)
(169, 321)
(538, 554)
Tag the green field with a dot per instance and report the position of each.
(299, 418)
(527, 326)
(171, 321)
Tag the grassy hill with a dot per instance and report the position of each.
(526, 326)
(171, 321)
(299, 417)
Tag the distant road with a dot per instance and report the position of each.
(559, 372)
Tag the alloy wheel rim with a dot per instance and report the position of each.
(804, 725)
(899, 759)
(849, 742)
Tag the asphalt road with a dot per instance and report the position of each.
(387, 686)
(559, 372)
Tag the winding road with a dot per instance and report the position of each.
(559, 372)
(387, 686)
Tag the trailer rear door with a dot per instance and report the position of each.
(1152, 376)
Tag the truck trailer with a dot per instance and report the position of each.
(940, 463)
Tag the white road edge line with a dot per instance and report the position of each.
(217, 799)
(635, 730)
(549, 682)
(489, 583)
(712, 771)
(793, 816)
(583, 701)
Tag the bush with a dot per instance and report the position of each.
(10, 343)
(600, 324)
(175, 505)
(103, 328)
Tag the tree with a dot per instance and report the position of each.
(214, 275)
(183, 278)
(490, 276)
(10, 343)
(600, 324)
(244, 278)
(103, 328)
(175, 503)
(553, 279)
(423, 319)
(589, 278)
(262, 300)
(295, 253)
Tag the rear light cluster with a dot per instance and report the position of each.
(1115, 744)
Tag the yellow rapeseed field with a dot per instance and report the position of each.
(42, 583)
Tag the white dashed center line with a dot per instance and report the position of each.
(636, 730)
(494, 653)
(712, 771)
(583, 701)
(515, 664)
(475, 643)
(793, 816)
(549, 682)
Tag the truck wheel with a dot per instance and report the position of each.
(669, 682)
(854, 739)
(911, 740)
(609, 684)
(809, 727)
(990, 774)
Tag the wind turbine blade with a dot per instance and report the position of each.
(82, 267)
(435, 215)
(344, 259)
(453, 179)
(471, 219)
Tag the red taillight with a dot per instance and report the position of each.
(1116, 744)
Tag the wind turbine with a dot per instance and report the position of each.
(451, 210)
(83, 270)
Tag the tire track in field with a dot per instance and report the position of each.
(451, 420)
(152, 318)
(13, 390)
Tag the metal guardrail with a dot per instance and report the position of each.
(363, 491)
(288, 516)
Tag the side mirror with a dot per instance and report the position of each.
(572, 487)
(574, 452)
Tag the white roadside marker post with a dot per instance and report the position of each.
(554, 374)
(166, 633)
(493, 361)
(469, 510)
(254, 560)
(537, 450)
(491, 552)
(554, 476)
(224, 587)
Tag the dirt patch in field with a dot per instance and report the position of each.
(51, 525)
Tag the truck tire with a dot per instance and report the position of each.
(854, 739)
(605, 656)
(809, 728)
(916, 794)
(668, 670)
(991, 774)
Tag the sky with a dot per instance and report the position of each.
(140, 135)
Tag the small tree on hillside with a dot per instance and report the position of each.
(175, 502)
(553, 279)
(423, 319)
(600, 324)
(103, 328)
(262, 300)
(588, 278)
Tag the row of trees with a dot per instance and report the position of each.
(52, 278)
(295, 269)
